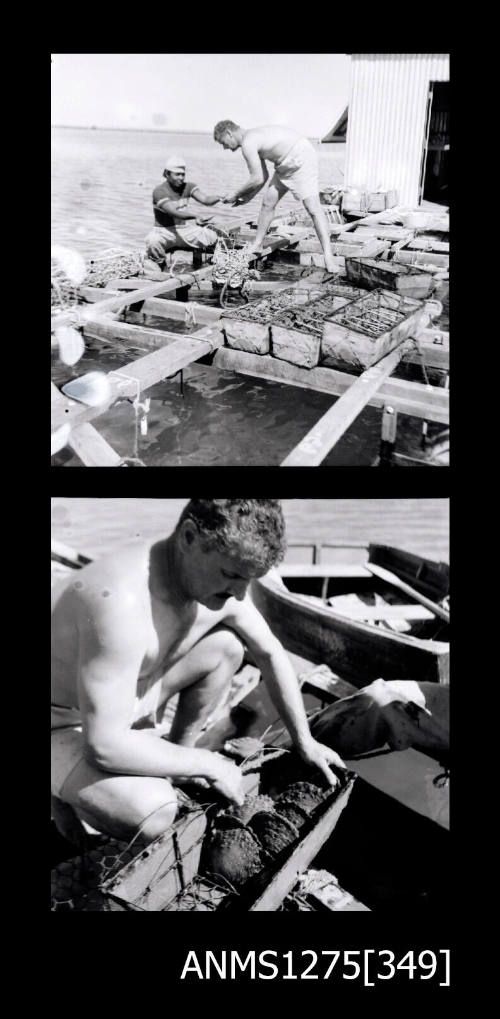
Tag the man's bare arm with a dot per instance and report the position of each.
(112, 650)
(258, 175)
(280, 677)
(201, 196)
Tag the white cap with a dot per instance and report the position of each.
(175, 163)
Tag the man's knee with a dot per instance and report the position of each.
(270, 198)
(126, 806)
(157, 244)
(161, 815)
(231, 649)
(312, 205)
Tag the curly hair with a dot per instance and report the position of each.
(222, 127)
(252, 529)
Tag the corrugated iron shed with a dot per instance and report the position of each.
(388, 119)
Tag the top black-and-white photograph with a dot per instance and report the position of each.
(249, 261)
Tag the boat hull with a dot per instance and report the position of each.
(355, 650)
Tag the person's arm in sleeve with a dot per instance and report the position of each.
(277, 671)
(111, 654)
(175, 207)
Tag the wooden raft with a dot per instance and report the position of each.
(244, 348)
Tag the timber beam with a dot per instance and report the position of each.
(412, 398)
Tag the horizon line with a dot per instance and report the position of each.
(157, 130)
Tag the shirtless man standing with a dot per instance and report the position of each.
(295, 170)
(137, 627)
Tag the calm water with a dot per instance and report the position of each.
(98, 526)
(102, 181)
(101, 198)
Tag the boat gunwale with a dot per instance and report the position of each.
(328, 614)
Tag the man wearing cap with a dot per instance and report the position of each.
(176, 225)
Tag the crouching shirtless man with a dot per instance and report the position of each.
(148, 622)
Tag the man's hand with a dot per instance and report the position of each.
(202, 220)
(228, 199)
(319, 756)
(227, 779)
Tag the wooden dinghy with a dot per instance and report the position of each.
(367, 628)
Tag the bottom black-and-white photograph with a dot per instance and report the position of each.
(250, 704)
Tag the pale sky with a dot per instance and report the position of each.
(192, 91)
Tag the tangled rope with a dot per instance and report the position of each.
(231, 268)
(112, 263)
(63, 293)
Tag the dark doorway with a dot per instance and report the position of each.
(434, 185)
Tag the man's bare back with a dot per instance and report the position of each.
(295, 170)
(272, 142)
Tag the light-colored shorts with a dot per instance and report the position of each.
(67, 742)
(191, 237)
(298, 171)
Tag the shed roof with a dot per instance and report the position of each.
(338, 132)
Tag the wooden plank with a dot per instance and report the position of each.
(123, 300)
(264, 286)
(143, 373)
(161, 307)
(322, 570)
(365, 245)
(433, 349)
(105, 327)
(375, 217)
(86, 442)
(160, 872)
(324, 435)
(333, 686)
(386, 233)
(372, 613)
(371, 249)
(422, 258)
(394, 581)
(429, 244)
(412, 398)
(92, 448)
(179, 310)
(68, 556)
